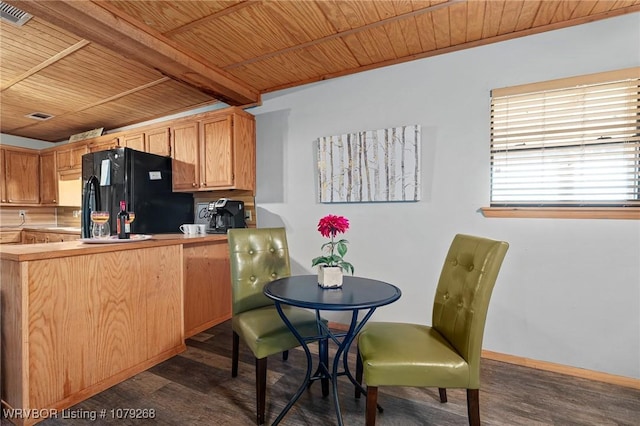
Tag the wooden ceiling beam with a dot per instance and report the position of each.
(105, 25)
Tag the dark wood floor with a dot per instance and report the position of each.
(196, 388)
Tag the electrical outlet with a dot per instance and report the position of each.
(22, 214)
(248, 216)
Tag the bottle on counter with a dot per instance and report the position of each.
(123, 222)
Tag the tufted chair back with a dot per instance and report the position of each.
(462, 297)
(258, 256)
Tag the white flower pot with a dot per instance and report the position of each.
(330, 276)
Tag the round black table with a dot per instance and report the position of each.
(356, 294)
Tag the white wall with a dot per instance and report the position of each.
(569, 290)
(24, 142)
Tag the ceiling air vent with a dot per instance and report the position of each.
(39, 116)
(13, 15)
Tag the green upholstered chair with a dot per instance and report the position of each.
(447, 353)
(257, 257)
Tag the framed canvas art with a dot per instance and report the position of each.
(370, 166)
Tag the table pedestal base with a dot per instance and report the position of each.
(322, 373)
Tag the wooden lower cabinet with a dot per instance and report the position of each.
(74, 326)
(207, 291)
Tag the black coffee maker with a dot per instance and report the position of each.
(225, 214)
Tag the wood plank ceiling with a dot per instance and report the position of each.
(113, 63)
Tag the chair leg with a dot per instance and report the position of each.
(473, 406)
(261, 388)
(443, 394)
(285, 355)
(372, 405)
(358, 374)
(234, 355)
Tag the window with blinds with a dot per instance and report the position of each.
(572, 142)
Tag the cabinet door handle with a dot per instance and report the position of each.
(194, 184)
(203, 184)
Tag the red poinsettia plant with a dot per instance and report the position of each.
(330, 226)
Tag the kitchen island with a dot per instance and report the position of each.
(79, 318)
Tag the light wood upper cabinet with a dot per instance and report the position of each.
(48, 178)
(158, 141)
(22, 176)
(185, 147)
(135, 141)
(71, 157)
(104, 142)
(215, 152)
(154, 141)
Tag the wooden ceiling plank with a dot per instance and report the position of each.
(300, 28)
(334, 15)
(376, 43)
(343, 34)
(458, 19)
(602, 6)
(394, 33)
(408, 27)
(564, 11)
(510, 15)
(213, 17)
(219, 43)
(256, 77)
(123, 94)
(527, 15)
(476, 43)
(312, 62)
(86, 74)
(279, 67)
(583, 8)
(625, 3)
(385, 9)
(545, 13)
(335, 55)
(426, 31)
(357, 16)
(398, 42)
(475, 20)
(110, 28)
(492, 18)
(34, 43)
(412, 38)
(305, 17)
(441, 28)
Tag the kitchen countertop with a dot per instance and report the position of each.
(26, 252)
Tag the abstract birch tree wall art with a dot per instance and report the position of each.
(370, 166)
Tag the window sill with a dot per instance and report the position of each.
(563, 212)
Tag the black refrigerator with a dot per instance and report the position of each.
(143, 181)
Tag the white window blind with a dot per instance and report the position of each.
(570, 142)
